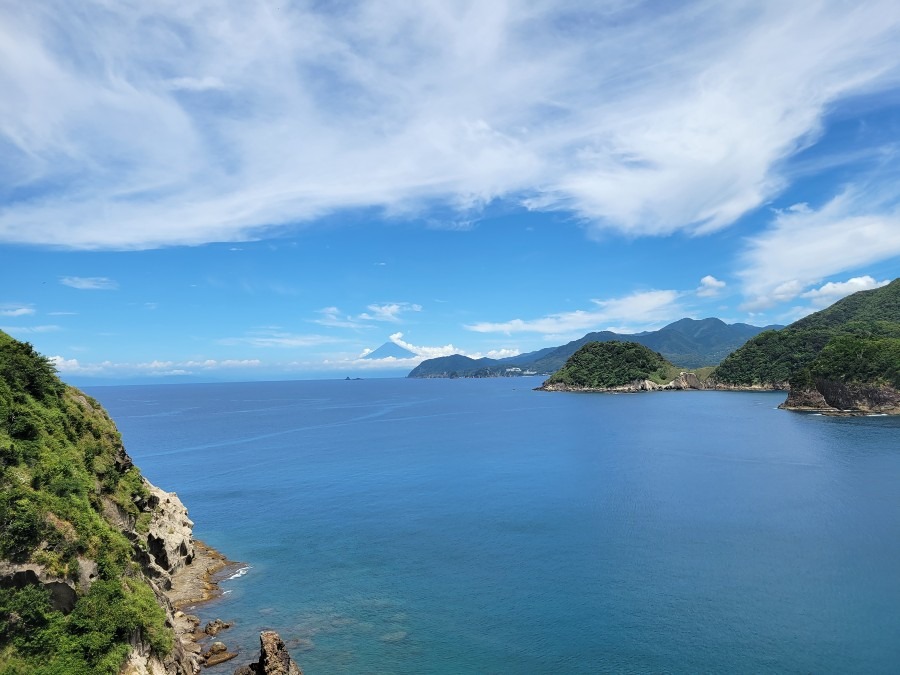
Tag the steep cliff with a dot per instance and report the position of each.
(851, 374)
(87, 546)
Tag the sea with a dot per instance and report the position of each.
(478, 526)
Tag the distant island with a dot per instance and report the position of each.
(844, 359)
(619, 366)
(690, 343)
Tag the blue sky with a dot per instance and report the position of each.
(263, 190)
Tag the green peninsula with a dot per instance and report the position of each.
(618, 366)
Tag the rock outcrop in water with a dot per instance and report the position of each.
(833, 397)
(274, 658)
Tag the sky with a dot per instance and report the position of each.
(211, 191)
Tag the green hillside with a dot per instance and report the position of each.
(690, 343)
(777, 357)
(61, 460)
(601, 365)
(849, 359)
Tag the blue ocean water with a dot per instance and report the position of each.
(477, 526)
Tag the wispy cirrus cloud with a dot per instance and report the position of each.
(637, 310)
(388, 312)
(277, 338)
(806, 245)
(639, 117)
(334, 318)
(16, 310)
(89, 283)
(30, 330)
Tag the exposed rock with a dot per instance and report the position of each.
(62, 591)
(713, 383)
(169, 538)
(274, 658)
(213, 627)
(686, 381)
(216, 654)
(221, 657)
(682, 382)
(833, 397)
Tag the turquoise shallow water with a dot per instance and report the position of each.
(476, 526)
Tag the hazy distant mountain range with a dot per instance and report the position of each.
(689, 343)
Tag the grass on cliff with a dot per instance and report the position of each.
(601, 365)
(61, 457)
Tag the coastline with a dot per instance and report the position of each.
(194, 585)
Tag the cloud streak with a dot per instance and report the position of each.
(89, 283)
(641, 308)
(16, 310)
(258, 115)
(804, 246)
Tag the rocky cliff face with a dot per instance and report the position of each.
(830, 396)
(85, 541)
(165, 550)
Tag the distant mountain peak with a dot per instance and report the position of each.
(389, 349)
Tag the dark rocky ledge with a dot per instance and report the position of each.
(840, 398)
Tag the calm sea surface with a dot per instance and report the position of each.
(476, 526)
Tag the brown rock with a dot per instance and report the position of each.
(213, 627)
(221, 657)
(274, 658)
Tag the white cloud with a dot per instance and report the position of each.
(831, 292)
(710, 287)
(152, 368)
(89, 283)
(425, 352)
(502, 353)
(16, 310)
(278, 338)
(194, 83)
(638, 309)
(858, 227)
(332, 317)
(29, 330)
(252, 116)
(389, 312)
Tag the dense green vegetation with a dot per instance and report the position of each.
(775, 357)
(854, 360)
(60, 459)
(600, 365)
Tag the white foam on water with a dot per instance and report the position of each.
(237, 575)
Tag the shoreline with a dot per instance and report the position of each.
(194, 585)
